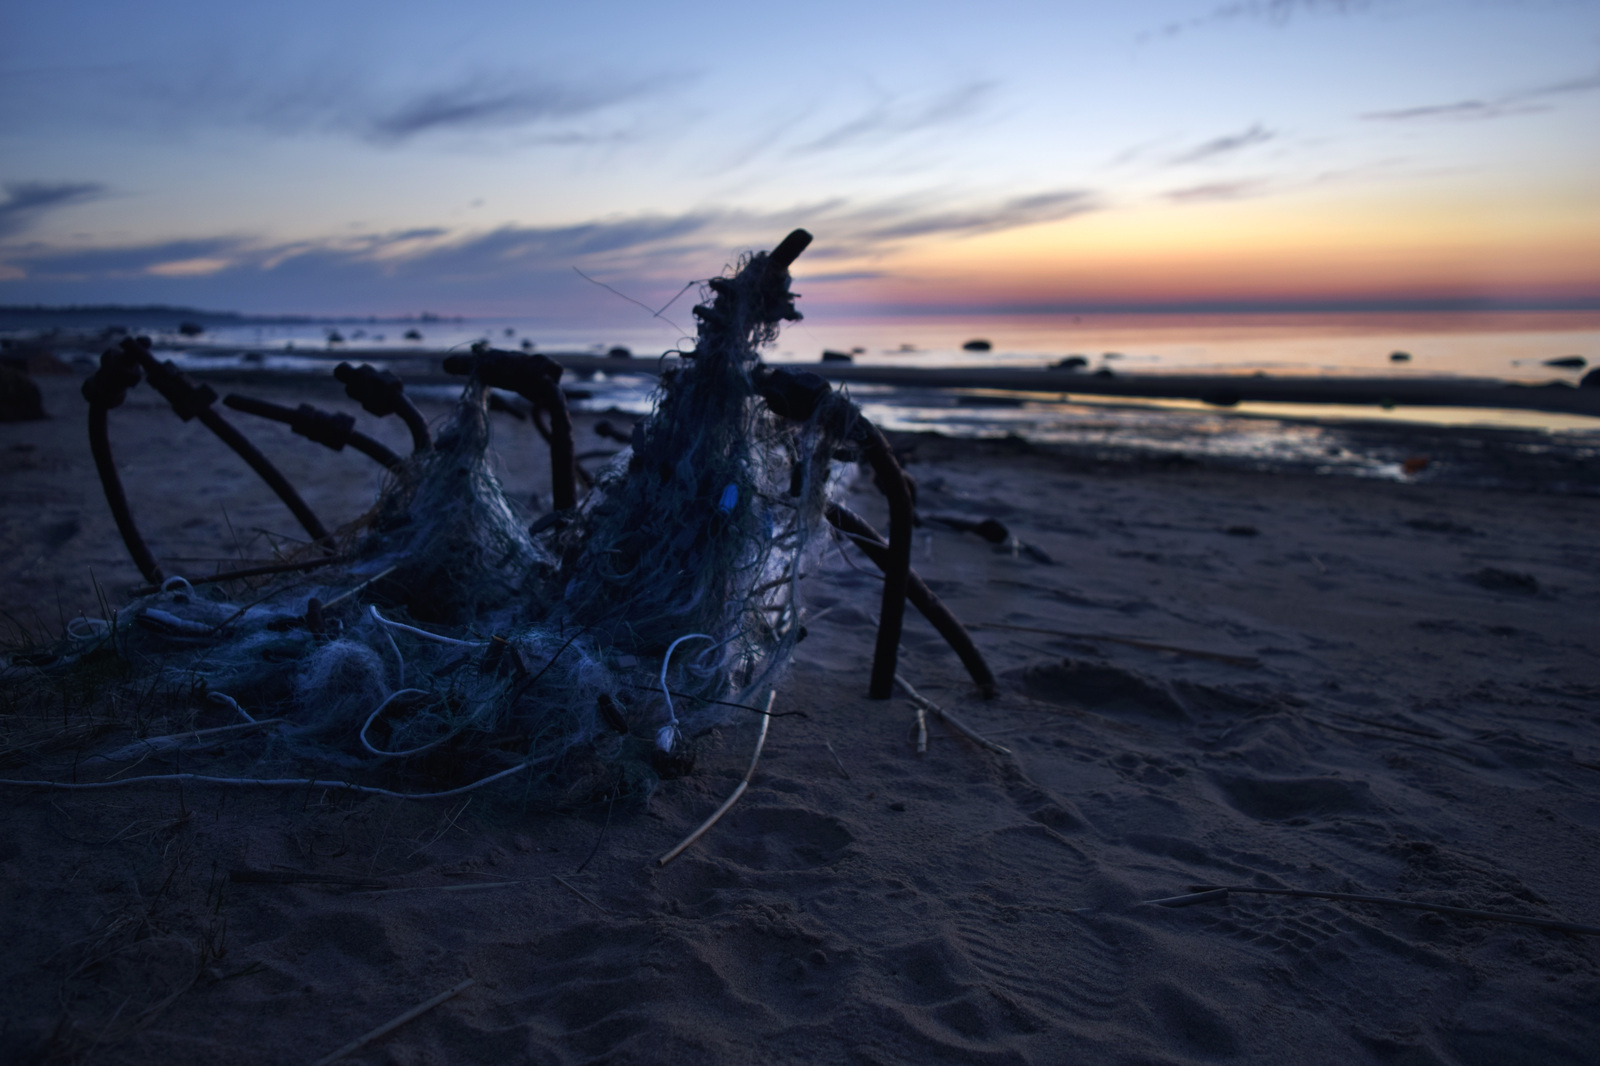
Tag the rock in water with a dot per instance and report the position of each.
(977, 346)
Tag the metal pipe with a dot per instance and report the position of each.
(269, 473)
(891, 481)
(116, 499)
(190, 400)
(537, 380)
(382, 393)
(107, 388)
(921, 596)
(325, 427)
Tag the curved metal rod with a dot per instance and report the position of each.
(190, 400)
(382, 393)
(326, 428)
(921, 596)
(269, 473)
(536, 379)
(104, 389)
(891, 481)
(563, 464)
(116, 499)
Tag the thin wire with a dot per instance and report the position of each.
(274, 782)
(218, 697)
(373, 717)
(630, 299)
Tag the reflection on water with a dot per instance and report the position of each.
(1510, 345)
(1453, 445)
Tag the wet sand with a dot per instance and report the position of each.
(1406, 704)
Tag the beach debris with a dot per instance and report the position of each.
(836, 760)
(333, 431)
(440, 644)
(579, 893)
(20, 399)
(381, 393)
(122, 368)
(1217, 893)
(390, 1026)
(921, 596)
(727, 804)
(924, 704)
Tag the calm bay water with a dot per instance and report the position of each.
(1459, 445)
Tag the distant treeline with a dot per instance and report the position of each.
(163, 317)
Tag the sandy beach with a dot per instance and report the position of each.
(1210, 677)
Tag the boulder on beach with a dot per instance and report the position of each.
(1591, 380)
(19, 397)
(619, 352)
(829, 356)
(1071, 362)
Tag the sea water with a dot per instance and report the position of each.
(1419, 443)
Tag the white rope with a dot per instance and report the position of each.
(229, 701)
(668, 734)
(272, 782)
(373, 717)
(437, 638)
(97, 627)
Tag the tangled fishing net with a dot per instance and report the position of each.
(450, 646)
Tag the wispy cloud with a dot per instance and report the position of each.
(525, 263)
(1274, 12)
(1213, 192)
(1520, 102)
(892, 223)
(476, 104)
(898, 117)
(345, 100)
(1220, 146)
(26, 201)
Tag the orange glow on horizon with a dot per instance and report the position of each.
(1280, 250)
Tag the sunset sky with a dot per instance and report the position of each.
(359, 157)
